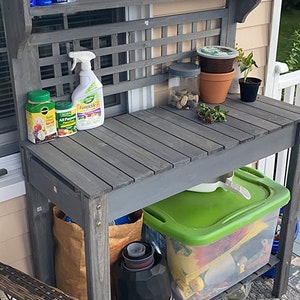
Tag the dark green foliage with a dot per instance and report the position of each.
(209, 114)
(293, 59)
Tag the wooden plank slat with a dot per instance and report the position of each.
(251, 129)
(187, 136)
(256, 110)
(72, 172)
(154, 146)
(59, 191)
(151, 161)
(280, 104)
(291, 115)
(284, 107)
(162, 137)
(121, 27)
(92, 162)
(249, 118)
(225, 129)
(113, 156)
(189, 120)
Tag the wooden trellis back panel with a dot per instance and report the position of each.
(140, 50)
(146, 55)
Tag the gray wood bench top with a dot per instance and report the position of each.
(129, 149)
(134, 160)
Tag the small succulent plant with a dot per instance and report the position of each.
(209, 114)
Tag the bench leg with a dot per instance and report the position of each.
(289, 222)
(40, 227)
(97, 248)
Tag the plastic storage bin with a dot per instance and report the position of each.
(216, 239)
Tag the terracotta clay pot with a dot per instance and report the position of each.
(213, 88)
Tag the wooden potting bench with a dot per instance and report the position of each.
(140, 158)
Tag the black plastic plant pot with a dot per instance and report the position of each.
(249, 88)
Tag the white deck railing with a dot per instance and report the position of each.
(286, 88)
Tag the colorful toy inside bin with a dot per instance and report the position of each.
(216, 239)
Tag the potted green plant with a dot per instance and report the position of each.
(248, 85)
(209, 114)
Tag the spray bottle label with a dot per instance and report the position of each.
(89, 110)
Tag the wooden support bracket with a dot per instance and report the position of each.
(243, 8)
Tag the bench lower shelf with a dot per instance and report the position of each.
(272, 262)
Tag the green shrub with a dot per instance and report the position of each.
(290, 4)
(293, 60)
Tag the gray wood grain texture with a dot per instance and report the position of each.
(40, 226)
(141, 155)
(246, 116)
(113, 156)
(97, 247)
(95, 164)
(17, 33)
(287, 107)
(163, 185)
(172, 128)
(258, 110)
(168, 143)
(287, 230)
(130, 147)
(70, 171)
(58, 190)
(225, 134)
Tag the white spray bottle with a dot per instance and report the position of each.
(88, 95)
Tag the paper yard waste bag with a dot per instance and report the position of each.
(70, 268)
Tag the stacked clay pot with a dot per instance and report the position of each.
(217, 72)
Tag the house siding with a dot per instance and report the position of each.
(253, 35)
(164, 9)
(15, 247)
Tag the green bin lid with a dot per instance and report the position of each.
(197, 218)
